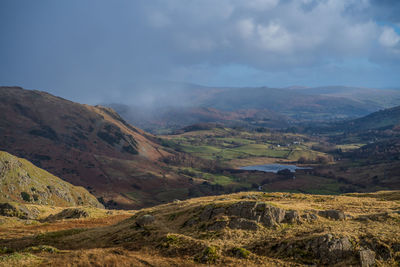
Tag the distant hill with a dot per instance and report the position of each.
(306, 104)
(180, 105)
(21, 181)
(90, 146)
(377, 126)
(157, 119)
(383, 119)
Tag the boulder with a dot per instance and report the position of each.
(145, 220)
(309, 217)
(272, 216)
(367, 257)
(332, 214)
(330, 249)
(381, 217)
(291, 216)
(262, 212)
(68, 214)
(245, 215)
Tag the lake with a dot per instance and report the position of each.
(272, 168)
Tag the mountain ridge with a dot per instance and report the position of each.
(90, 146)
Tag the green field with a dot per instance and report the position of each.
(229, 144)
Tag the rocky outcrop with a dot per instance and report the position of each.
(330, 249)
(245, 215)
(68, 214)
(324, 249)
(292, 216)
(244, 224)
(145, 220)
(332, 214)
(23, 182)
(19, 211)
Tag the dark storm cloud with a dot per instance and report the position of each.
(386, 10)
(94, 51)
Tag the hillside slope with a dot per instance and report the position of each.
(382, 125)
(90, 146)
(21, 181)
(245, 229)
(383, 119)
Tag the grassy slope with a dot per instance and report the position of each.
(19, 175)
(165, 242)
(241, 148)
(231, 146)
(89, 146)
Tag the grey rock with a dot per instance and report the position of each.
(19, 211)
(68, 214)
(257, 211)
(309, 217)
(367, 257)
(374, 217)
(291, 216)
(331, 249)
(332, 214)
(272, 216)
(192, 221)
(145, 220)
(244, 224)
(218, 225)
(205, 215)
(241, 213)
(217, 211)
(243, 209)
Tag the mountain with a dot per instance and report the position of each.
(244, 229)
(175, 106)
(23, 182)
(157, 119)
(89, 146)
(383, 119)
(383, 98)
(302, 104)
(377, 126)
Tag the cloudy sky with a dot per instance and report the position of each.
(100, 49)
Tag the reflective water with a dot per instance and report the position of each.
(272, 167)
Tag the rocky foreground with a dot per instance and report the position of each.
(244, 229)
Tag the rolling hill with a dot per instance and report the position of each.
(244, 229)
(380, 120)
(378, 126)
(166, 119)
(23, 182)
(90, 146)
(174, 106)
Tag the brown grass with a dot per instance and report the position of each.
(167, 243)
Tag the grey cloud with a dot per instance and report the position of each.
(74, 48)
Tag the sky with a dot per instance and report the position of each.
(94, 51)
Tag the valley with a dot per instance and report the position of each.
(230, 133)
(186, 197)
